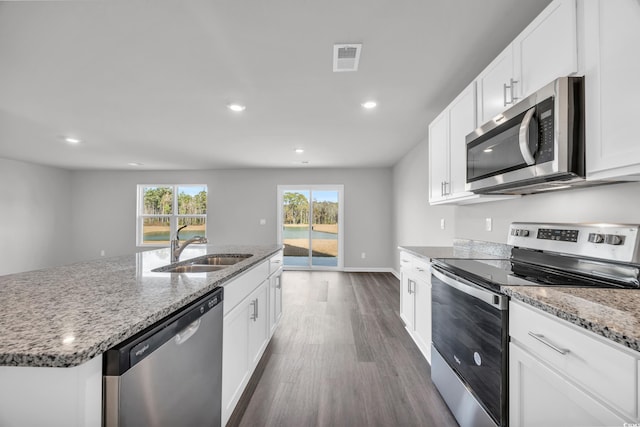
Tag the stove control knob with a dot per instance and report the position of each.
(613, 239)
(596, 238)
(524, 233)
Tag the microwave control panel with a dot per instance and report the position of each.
(544, 113)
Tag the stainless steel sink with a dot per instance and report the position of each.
(193, 268)
(203, 264)
(221, 259)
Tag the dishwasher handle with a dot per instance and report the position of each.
(188, 332)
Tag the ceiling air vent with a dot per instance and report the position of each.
(346, 57)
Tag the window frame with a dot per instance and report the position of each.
(174, 217)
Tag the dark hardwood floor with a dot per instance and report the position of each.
(341, 357)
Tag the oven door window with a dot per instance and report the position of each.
(471, 335)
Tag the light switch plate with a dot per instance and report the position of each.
(442, 223)
(488, 224)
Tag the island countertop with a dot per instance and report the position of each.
(64, 316)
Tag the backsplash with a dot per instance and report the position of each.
(471, 248)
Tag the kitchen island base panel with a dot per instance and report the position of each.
(37, 396)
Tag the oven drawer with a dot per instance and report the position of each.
(603, 369)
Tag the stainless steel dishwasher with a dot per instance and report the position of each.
(169, 374)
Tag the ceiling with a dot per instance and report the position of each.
(150, 81)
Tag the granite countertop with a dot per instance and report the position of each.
(429, 252)
(64, 316)
(611, 313)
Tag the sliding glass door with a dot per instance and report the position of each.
(311, 226)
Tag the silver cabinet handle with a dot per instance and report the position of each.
(441, 188)
(523, 137)
(504, 94)
(548, 343)
(409, 286)
(276, 261)
(278, 284)
(254, 315)
(447, 188)
(509, 86)
(404, 260)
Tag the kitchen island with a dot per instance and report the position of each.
(57, 322)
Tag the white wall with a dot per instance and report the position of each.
(35, 216)
(609, 203)
(238, 199)
(416, 223)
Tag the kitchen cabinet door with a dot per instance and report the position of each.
(495, 88)
(407, 300)
(423, 317)
(539, 396)
(547, 48)
(275, 301)
(462, 121)
(612, 89)
(258, 323)
(439, 157)
(235, 356)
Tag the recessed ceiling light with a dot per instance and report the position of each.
(236, 107)
(72, 140)
(135, 164)
(369, 104)
(299, 150)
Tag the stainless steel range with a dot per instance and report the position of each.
(469, 310)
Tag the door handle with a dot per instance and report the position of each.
(523, 138)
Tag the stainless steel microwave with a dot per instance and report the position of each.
(536, 145)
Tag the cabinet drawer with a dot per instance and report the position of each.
(603, 369)
(422, 269)
(406, 262)
(275, 262)
(415, 266)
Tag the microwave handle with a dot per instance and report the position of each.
(523, 138)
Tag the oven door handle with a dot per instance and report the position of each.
(497, 301)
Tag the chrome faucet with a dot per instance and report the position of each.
(177, 248)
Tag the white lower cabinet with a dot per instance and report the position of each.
(541, 397)
(253, 307)
(562, 375)
(415, 300)
(275, 300)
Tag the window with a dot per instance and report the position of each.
(164, 208)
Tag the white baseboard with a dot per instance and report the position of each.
(369, 270)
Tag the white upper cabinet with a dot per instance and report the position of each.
(462, 121)
(438, 157)
(495, 86)
(547, 48)
(612, 89)
(448, 152)
(544, 51)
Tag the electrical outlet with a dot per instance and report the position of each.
(263, 221)
(102, 252)
(442, 223)
(363, 255)
(488, 224)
